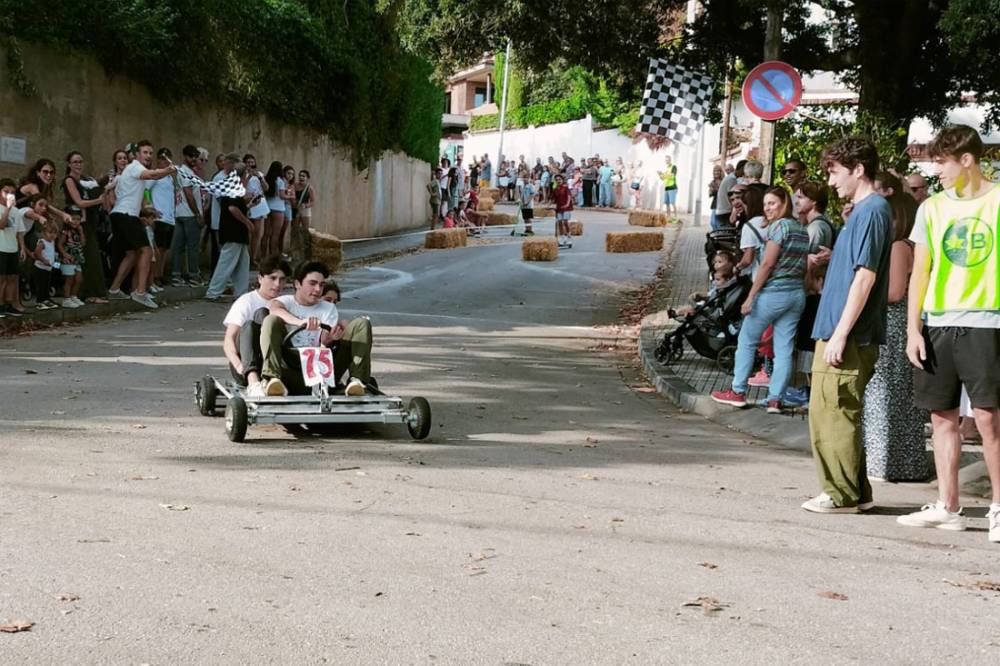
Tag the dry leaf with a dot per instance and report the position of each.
(836, 596)
(588, 477)
(708, 604)
(345, 469)
(143, 478)
(138, 426)
(14, 626)
(175, 507)
(69, 597)
(708, 565)
(988, 585)
(31, 372)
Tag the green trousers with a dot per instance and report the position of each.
(353, 353)
(835, 409)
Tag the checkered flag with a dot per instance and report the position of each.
(229, 187)
(675, 101)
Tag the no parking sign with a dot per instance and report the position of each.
(772, 90)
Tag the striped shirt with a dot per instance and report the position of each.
(790, 271)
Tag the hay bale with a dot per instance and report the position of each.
(633, 241)
(545, 212)
(325, 248)
(542, 248)
(486, 204)
(495, 219)
(647, 218)
(444, 239)
(575, 228)
(490, 193)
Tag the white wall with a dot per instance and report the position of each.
(578, 139)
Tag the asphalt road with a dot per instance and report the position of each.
(558, 514)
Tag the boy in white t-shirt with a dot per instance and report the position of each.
(241, 344)
(281, 368)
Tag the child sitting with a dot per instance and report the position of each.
(70, 246)
(449, 219)
(44, 255)
(723, 275)
(464, 221)
(477, 217)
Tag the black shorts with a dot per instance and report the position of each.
(528, 214)
(957, 356)
(9, 262)
(129, 232)
(163, 234)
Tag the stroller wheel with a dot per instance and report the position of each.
(676, 353)
(726, 360)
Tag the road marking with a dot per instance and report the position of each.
(577, 276)
(400, 278)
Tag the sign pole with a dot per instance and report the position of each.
(772, 51)
(699, 175)
(503, 115)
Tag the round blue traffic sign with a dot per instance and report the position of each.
(772, 89)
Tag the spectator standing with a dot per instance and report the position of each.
(276, 186)
(724, 209)
(39, 180)
(956, 284)
(794, 174)
(434, 196)
(85, 193)
(455, 179)
(474, 172)
(288, 173)
(305, 194)
(486, 173)
(713, 192)
(189, 221)
(563, 199)
(11, 246)
(588, 174)
(604, 174)
(813, 198)
(44, 262)
(918, 187)
(850, 324)
(893, 426)
(776, 299)
(163, 194)
(635, 183)
(235, 235)
(257, 208)
(70, 252)
(212, 228)
(129, 230)
(753, 172)
(750, 208)
(669, 178)
(617, 181)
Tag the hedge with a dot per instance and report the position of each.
(330, 65)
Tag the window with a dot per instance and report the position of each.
(479, 98)
(447, 102)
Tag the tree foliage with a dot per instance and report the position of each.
(333, 65)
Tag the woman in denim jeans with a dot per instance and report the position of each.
(776, 298)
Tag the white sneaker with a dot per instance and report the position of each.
(275, 387)
(935, 515)
(823, 503)
(355, 387)
(78, 302)
(257, 390)
(144, 299)
(155, 288)
(69, 303)
(994, 517)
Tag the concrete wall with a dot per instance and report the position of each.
(80, 108)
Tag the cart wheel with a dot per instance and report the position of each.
(726, 360)
(205, 394)
(236, 419)
(418, 418)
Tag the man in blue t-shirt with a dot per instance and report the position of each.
(850, 325)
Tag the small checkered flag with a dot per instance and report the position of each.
(229, 187)
(675, 101)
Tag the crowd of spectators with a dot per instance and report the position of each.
(141, 225)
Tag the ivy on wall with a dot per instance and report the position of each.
(336, 67)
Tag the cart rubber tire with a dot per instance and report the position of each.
(419, 418)
(205, 396)
(236, 419)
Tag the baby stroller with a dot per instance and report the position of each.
(711, 329)
(726, 240)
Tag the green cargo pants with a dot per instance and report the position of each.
(352, 353)
(835, 409)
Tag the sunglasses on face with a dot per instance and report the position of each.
(786, 172)
(736, 193)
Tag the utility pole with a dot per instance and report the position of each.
(503, 114)
(772, 51)
(727, 112)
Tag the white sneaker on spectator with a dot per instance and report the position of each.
(145, 300)
(823, 503)
(117, 295)
(257, 390)
(155, 288)
(934, 515)
(355, 387)
(275, 387)
(69, 303)
(994, 517)
(78, 302)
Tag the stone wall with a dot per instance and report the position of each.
(79, 107)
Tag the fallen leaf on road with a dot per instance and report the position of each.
(143, 478)
(988, 585)
(31, 372)
(618, 520)
(588, 477)
(593, 440)
(345, 469)
(413, 534)
(69, 597)
(708, 565)
(99, 540)
(138, 426)
(707, 604)
(14, 626)
(57, 412)
(520, 418)
(175, 507)
(836, 596)
(643, 389)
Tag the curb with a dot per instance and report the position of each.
(790, 431)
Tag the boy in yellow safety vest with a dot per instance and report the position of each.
(956, 283)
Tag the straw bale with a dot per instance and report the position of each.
(486, 204)
(318, 246)
(545, 212)
(542, 248)
(575, 228)
(443, 239)
(647, 218)
(490, 192)
(496, 219)
(633, 241)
